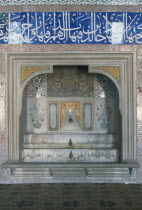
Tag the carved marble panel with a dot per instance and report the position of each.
(53, 111)
(70, 81)
(105, 115)
(67, 141)
(95, 155)
(70, 116)
(88, 116)
(36, 115)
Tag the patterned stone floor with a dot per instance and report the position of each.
(71, 196)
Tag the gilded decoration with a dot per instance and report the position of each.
(114, 71)
(70, 107)
(27, 71)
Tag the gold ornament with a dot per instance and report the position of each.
(27, 71)
(69, 106)
(114, 71)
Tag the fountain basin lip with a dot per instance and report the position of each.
(69, 164)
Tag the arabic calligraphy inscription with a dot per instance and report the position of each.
(71, 28)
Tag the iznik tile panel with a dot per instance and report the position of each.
(37, 86)
(70, 28)
(103, 86)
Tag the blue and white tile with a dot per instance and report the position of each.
(60, 28)
(73, 26)
(37, 86)
(14, 28)
(3, 28)
(104, 87)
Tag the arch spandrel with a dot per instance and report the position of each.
(113, 70)
(28, 72)
(107, 71)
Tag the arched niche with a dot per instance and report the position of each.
(97, 62)
(93, 96)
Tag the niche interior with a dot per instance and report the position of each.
(72, 115)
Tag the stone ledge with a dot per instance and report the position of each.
(78, 169)
(69, 164)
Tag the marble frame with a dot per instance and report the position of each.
(50, 103)
(127, 105)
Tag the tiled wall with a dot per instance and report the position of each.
(70, 27)
(4, 177)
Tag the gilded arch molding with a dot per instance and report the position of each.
(113, 70)
(27, 71)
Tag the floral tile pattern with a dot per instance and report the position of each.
(103, 86)
(36, 86)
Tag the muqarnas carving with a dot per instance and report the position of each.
(70, 81)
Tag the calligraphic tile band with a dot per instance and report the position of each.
(70, 28)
